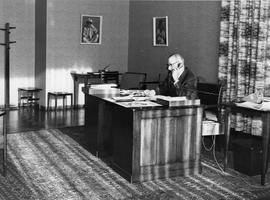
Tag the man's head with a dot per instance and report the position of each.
(89, 21)
(175, 61)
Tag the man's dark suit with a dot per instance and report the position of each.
(186, 85)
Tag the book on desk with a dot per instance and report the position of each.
(104, 88)
(176, 101)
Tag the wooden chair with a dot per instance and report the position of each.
(132, 80)
(110, 76)
(3, 142)
(151, 85)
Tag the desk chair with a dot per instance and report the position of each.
(3, 142)
(151, 85)
(132, 80)
(109, 77)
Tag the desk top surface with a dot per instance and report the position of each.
(135, 102)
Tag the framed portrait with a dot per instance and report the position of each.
(160, 31)
(91, 29)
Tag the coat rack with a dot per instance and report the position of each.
(7, 48)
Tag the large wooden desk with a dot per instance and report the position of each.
(145, 143)
(232, 108)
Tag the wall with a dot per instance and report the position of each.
(126, 40)
(64, 51)
(193, 32)
(58, 49)
(20, 14)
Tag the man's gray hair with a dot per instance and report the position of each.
(178, 58)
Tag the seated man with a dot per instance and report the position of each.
(180, 80)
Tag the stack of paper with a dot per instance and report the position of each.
(106, 88)
(103, 86)
(123, 99)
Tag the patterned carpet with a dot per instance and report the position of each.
(49, 165)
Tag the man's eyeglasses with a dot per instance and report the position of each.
(168, 65)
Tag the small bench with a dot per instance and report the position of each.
(56, 95)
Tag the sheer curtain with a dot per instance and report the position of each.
(244, 59)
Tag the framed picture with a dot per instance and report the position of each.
(160, 31)
(91, 29)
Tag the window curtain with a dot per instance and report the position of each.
(244, 54)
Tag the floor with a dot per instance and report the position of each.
(26, 119)
(70, 121)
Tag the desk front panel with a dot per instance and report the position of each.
(146, 144)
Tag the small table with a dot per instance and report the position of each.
(62, 95)
(232, 108)
(28, 95)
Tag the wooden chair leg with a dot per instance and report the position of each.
(48, 102)
(55, 103)
(19, 98)
(64, 99)
(71, 101)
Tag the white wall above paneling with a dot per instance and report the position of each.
(64, 51)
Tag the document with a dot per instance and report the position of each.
(176, 101)
(123, 99)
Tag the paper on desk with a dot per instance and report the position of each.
(266, 98)
(123, 99)
(265, 106)
(103, 86)
(137, 104)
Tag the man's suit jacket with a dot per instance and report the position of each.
(186, 85)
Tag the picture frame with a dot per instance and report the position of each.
(91, 29)
(160, 31)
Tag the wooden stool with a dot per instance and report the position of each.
(63, 95)
(28, 96)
